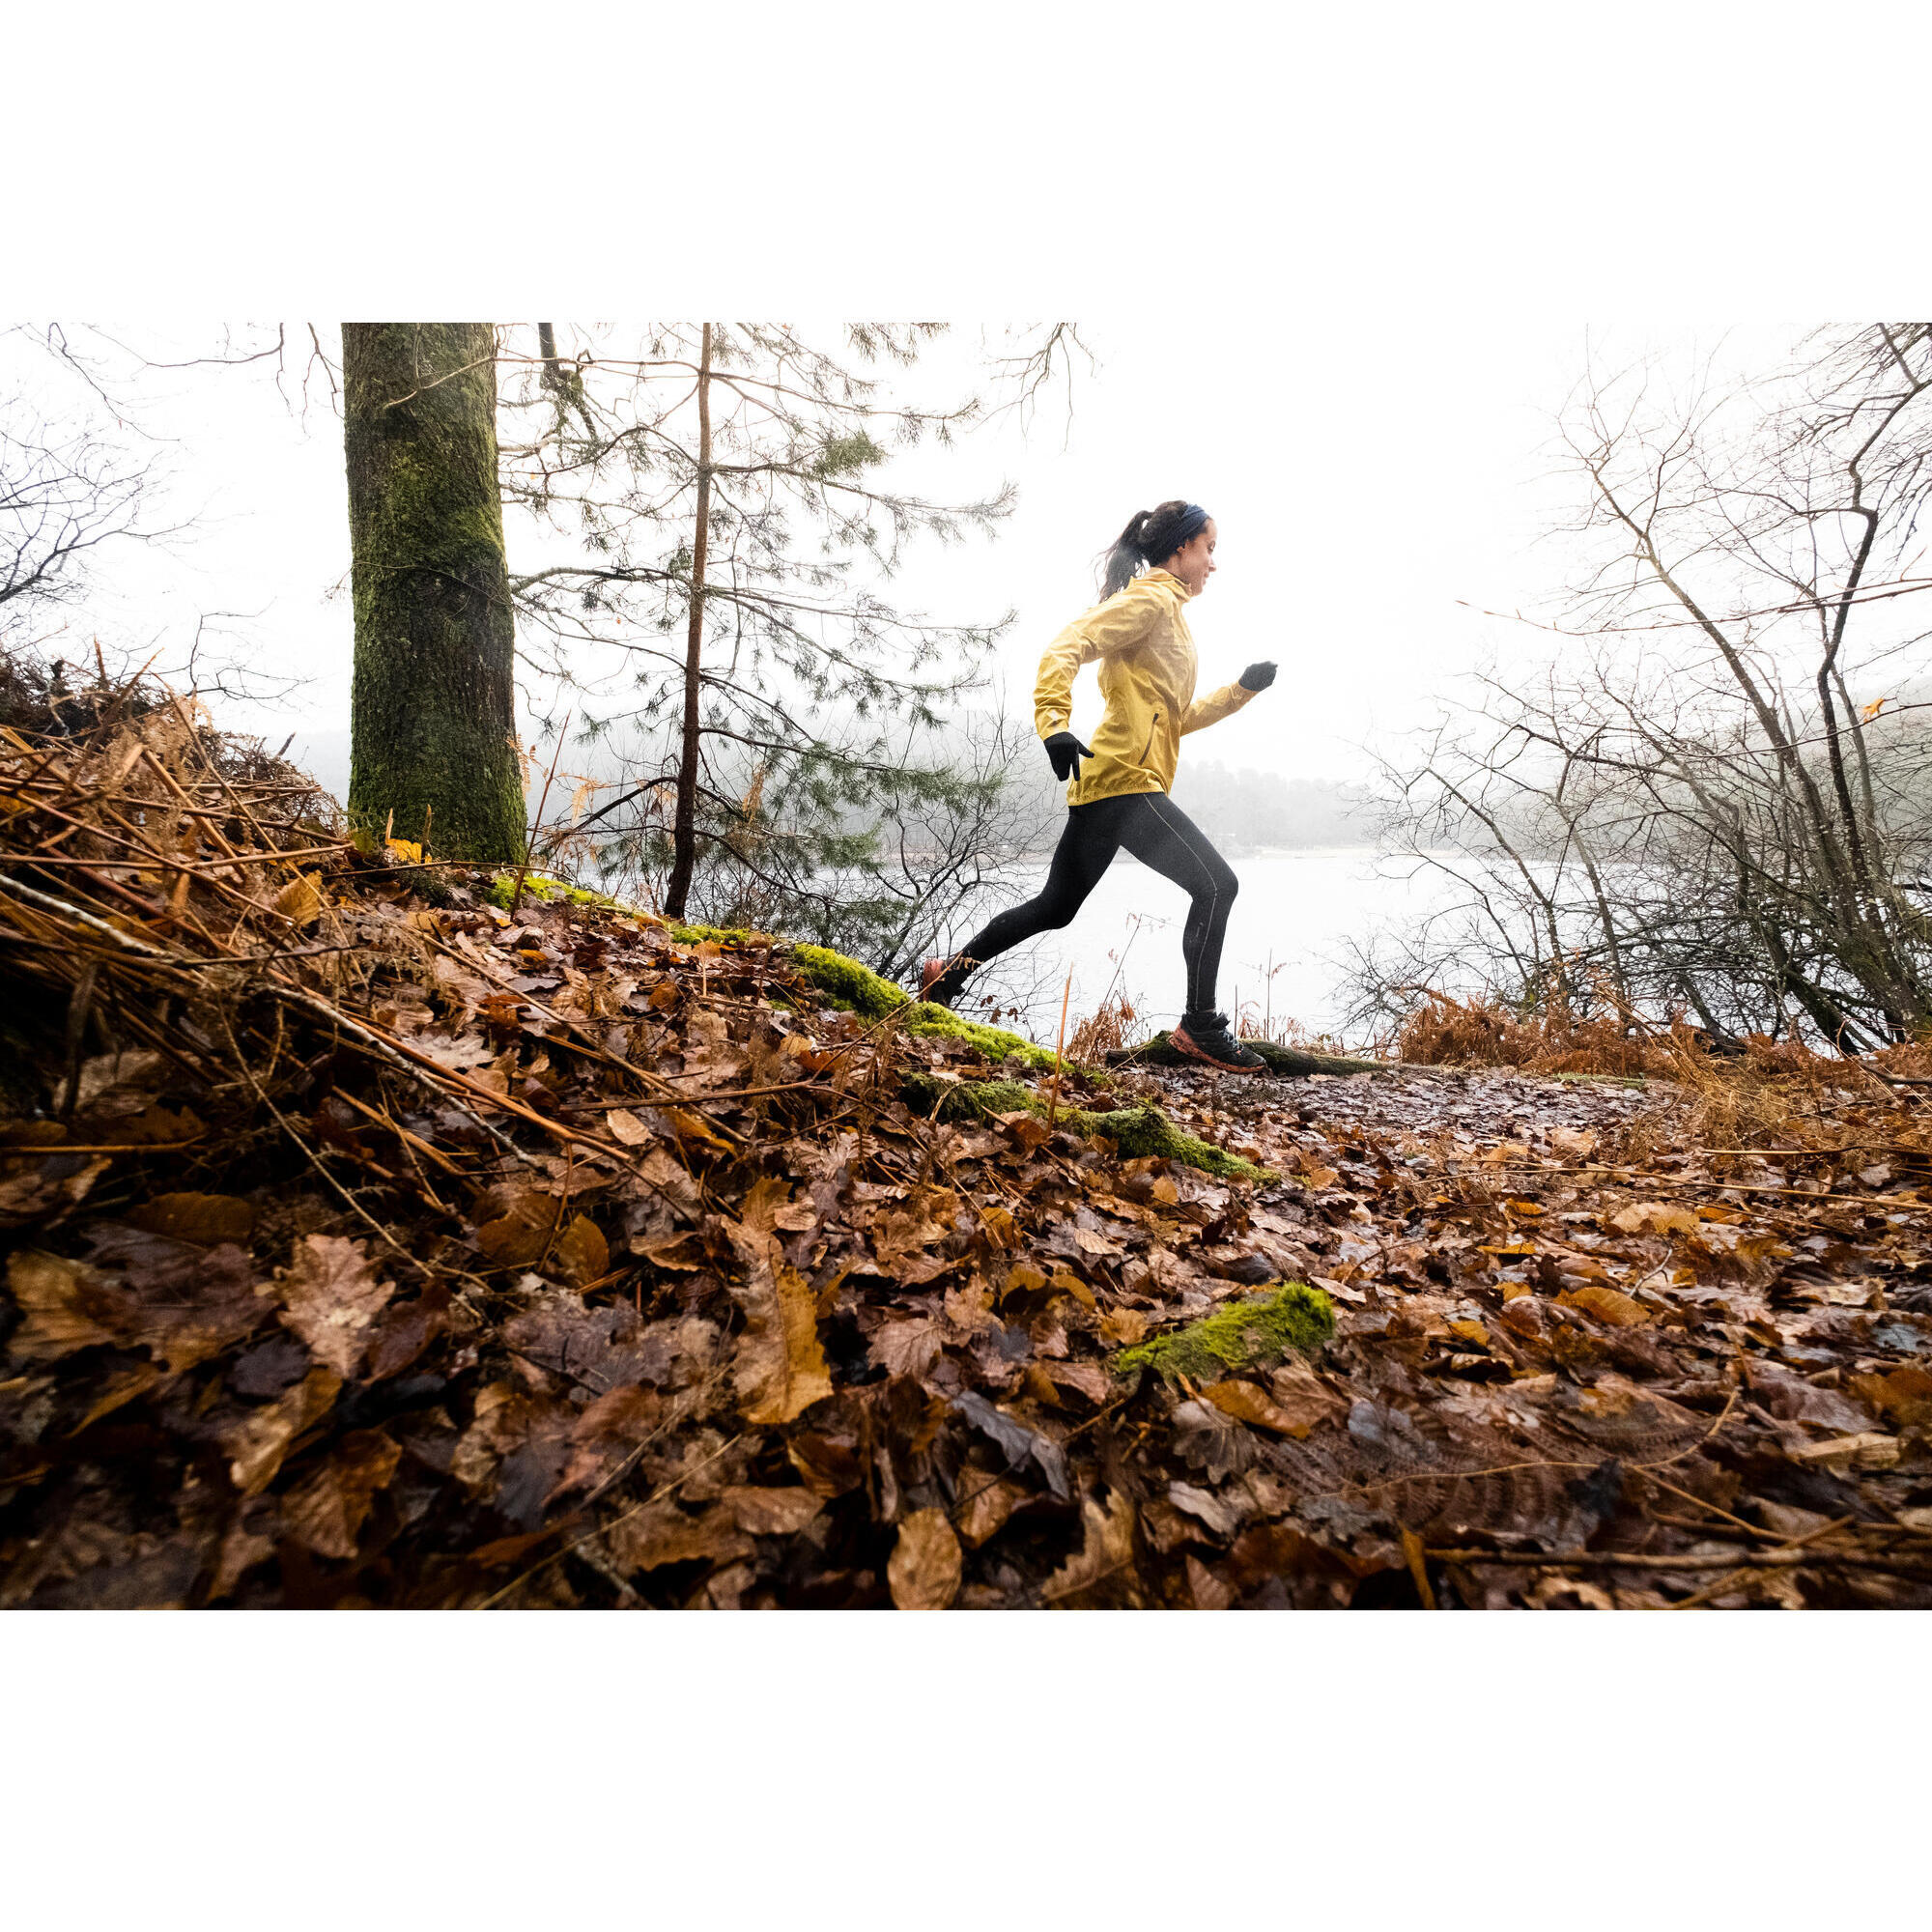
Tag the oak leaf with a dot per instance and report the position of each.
(330, 1296)
(607, 1433)
(1205, 1507)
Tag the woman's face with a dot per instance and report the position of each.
(1194, 562)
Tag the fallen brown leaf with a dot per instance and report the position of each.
(329, 1295)
(926, 1563)
(260, 1439)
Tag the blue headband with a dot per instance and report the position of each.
(1193, 521)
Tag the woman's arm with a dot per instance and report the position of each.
(1104, 632)
(1225, 702)
(1215, 706)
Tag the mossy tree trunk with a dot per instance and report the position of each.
(433, 715)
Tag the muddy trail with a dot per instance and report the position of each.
(381, 1236)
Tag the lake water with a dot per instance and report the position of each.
(1286, 937)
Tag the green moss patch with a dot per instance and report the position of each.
(1142, 1131)
(715, 935)
(850, 983)
(1288, 1060)
(1138, 1132)
(964, 1099)
(1263, 1328)
(995, 1042)
(858, 987)
(536, 886)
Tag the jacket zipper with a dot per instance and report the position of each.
(1152, 730)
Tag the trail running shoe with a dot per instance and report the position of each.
(1205, 1037)
(930, 975)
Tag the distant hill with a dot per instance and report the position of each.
(1241, 811)
(1244, 810)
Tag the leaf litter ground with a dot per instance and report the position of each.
(372, 1244)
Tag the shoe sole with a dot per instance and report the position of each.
(1183, 1044)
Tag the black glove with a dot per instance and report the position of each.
(1258, 676)
(1066, 750)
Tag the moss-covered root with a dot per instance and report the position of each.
(1261, 1329)
(1138, 1132)
(850, 983)
(963, 1099)
(1288, 1060)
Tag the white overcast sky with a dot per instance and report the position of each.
(1339, 267)
(1370, 481)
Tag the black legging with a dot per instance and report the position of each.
(1160, 836)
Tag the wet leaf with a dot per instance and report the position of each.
(204, 1219)
(66, 1305)
(906, 1347)
(330, 1296)
(1607, 1304)
(1100, 1573)
(258, 1441)
(662, 1533)
(301, 899)
(328, 1511)
(772, 1512)
(1246, 1402)
(925, 1564)
(779, 1369)
(984, 1504)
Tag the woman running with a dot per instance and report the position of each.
(1148, 665)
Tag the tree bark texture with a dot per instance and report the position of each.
(684, 830)
(433, 712)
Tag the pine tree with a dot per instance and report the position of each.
(726, 482)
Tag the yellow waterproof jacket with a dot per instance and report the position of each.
(1148, 666)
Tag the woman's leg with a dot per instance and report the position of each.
(1162, 836)
(1088, 843)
